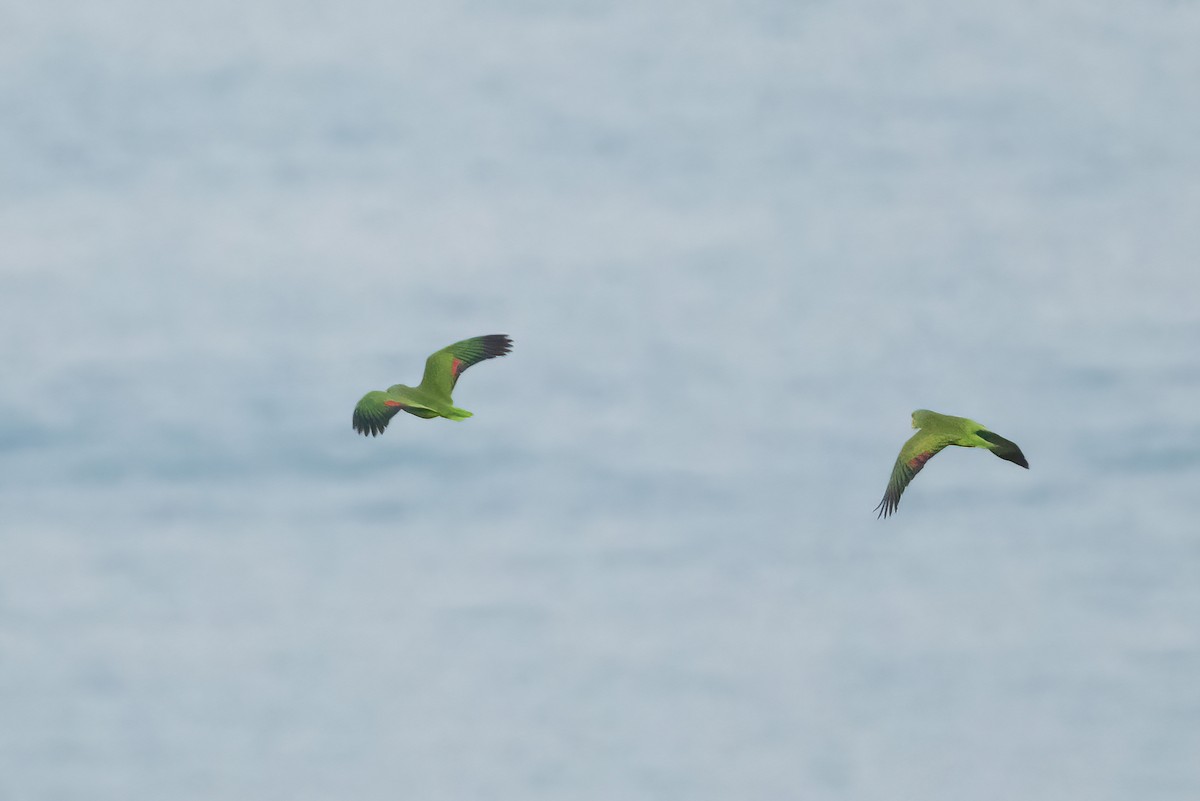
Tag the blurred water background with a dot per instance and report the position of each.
(735, 244)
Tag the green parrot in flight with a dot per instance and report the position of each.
(430, 398)
(936, 431)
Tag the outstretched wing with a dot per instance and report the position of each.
(1004, 448)
(374, 412)
(443, 368)
(920, 448)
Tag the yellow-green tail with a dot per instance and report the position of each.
(456, 414)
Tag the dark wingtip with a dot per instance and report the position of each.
(1013, 455)
(886, 507)
(364, 426)
(496, 344)
(1006, 449)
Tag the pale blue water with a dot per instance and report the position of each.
(736, 244)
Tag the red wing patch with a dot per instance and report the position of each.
(918, 461)
(456, 367)
(393, 403)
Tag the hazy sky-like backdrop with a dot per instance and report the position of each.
(735, 244)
